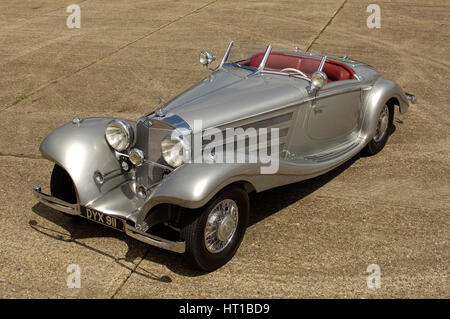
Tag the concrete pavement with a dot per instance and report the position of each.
(310, 239)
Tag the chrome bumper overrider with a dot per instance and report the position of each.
(176, 246)
(55, 203)
(74, 209)
(411, 97)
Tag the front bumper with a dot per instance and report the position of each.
(74, 209)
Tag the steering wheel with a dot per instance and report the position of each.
(294, 70)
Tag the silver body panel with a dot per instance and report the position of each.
(320, 131)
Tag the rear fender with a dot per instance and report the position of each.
(382, 91)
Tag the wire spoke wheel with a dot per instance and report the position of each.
(382, 125)
(221, 226)
(214, 234)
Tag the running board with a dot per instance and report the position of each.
(335, 153)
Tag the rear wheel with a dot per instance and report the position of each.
(213, 237)
(384, 127)
(61, 186)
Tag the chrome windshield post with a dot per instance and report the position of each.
(318, 78)
(264, 59)
(322, 63)
(225, 56)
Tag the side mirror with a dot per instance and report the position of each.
(206, 57)
(318, 80)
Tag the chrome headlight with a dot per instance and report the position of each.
(206, 57)
(318, 79)
(175, 150)
(119, 134)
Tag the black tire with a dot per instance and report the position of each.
(373, 147)
(193, 231)
(61, 186)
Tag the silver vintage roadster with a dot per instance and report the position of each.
(172, 179)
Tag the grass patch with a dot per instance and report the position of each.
(20, 99)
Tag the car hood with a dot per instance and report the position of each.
(230, 94)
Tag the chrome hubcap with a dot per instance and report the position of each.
(383, 123)
(221, 226)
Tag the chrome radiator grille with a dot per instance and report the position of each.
(150, 133)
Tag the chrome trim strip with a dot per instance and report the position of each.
(55, 203)
(175, 246)
(323, 157)
(342, 90)
(264, 112)
(278, 119)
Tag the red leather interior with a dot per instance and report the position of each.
(335, 71)
(276, 61)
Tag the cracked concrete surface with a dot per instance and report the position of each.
(310, 239)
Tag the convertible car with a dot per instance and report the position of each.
(146, 178)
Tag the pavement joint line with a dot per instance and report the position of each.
(353, 198)
(51, 11)
(326, 25)
(21, 156)
(129, 275)
(58, 235)
(384, 43)
(20, 287)
(43, 86)
(39, 15)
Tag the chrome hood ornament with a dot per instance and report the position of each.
(161, 110)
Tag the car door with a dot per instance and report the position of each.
(334, 114)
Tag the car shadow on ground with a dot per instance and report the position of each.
(77, 228)
(262, 204)
(271, 201)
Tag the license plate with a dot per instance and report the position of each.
(102, 218)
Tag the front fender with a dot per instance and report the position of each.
(81, 149)
(193, 185)
(382, 91)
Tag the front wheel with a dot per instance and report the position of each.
(385, 122)
(214, 236)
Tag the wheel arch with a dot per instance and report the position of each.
(382, 92)
(192, 186)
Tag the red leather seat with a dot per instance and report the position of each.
(276, 61)
(335, 71)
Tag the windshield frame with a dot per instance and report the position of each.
(261, 67)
